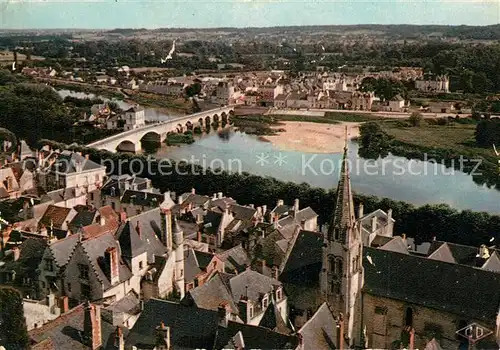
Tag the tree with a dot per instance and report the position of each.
(13, 330)
(415, 119)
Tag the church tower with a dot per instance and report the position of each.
(342, 272)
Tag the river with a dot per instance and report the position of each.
(398, 178)
(394, 177)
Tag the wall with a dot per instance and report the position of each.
(72, 275)
(382, 330)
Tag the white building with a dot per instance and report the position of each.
(134, 118)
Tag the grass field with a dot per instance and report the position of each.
(459, 137)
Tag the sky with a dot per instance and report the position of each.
(107, 14)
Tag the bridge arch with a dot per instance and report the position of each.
(151, 136)
(128, 146)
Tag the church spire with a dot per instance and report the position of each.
(343, 214)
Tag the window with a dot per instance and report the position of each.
(140, 265)
(182, 273)
(42, 284)
(84, 271)
(409, 317)
(251, 311)
(85, 291)
(96, 177)
(339, 267)
(113, 205)
(380, 310)
(335, 288)
(336, 234)
(265, 302)
(69, 287)
(91, 196)
(278, 294)
(49, 265)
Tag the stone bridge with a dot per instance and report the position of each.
(130, 140)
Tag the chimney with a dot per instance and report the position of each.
(63, 304)
(223, 313)
(86, 157)
(296, 205)
(193, 191)
(123, 216)
(199, 236)
(119, 341)
(374, 224)
(219, 195)
(244, 309)
(102, 220)
(361, 210)
(92, 326)
(111, 258)
(301, 341)
(279, 202)
(163, 337)
(166, 237)
(403, 236)
(340, 332)
(264, 210)
(166, 196)
(214, 196)
(275, 272)
(16, 252)
(179, 199)
(262, 266)
(412, 339)
(251, 206)
(275, 221)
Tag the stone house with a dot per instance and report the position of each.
(438, 84)
(250, 295)
(70, 170)
(134, 118)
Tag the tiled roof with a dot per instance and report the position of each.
(66, 163)
(191, 268)
(235, 258)
(141, 198)
(272, 320)
(55, 215)
(130, 243)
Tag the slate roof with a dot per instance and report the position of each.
(194, 328)
(213, 292)
(464, 255)
(235, 258)
(396, 244)
(130, 243)
(63, 248)
(94, 249)
(320, 331)
(129, 304)
(305, 259)
(145, 199)
(83, 218)
(65, 332)
(118, 182)
(241, 212)
(458, 289)
(191, 327)
(203, 259)
(191, 268)
(30, 255)
(151, 230)
(66, 163)
(272, 320)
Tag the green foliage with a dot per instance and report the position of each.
(415, 119)
(488, 133)
(176, 138)
(373, 141)
(13, 331)
(384, 88)
(423, 223)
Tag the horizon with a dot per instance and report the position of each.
(196, 14)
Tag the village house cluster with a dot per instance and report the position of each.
(110, 262)
(276, 88)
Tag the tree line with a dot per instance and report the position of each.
(422, 223)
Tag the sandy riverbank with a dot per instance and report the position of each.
(314, 137)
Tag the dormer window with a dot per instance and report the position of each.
(49, 265)
(265, 302)
(278, 294)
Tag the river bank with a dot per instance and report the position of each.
(310, 137)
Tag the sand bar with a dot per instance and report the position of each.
(311, 137)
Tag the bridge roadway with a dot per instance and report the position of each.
(130, 140)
